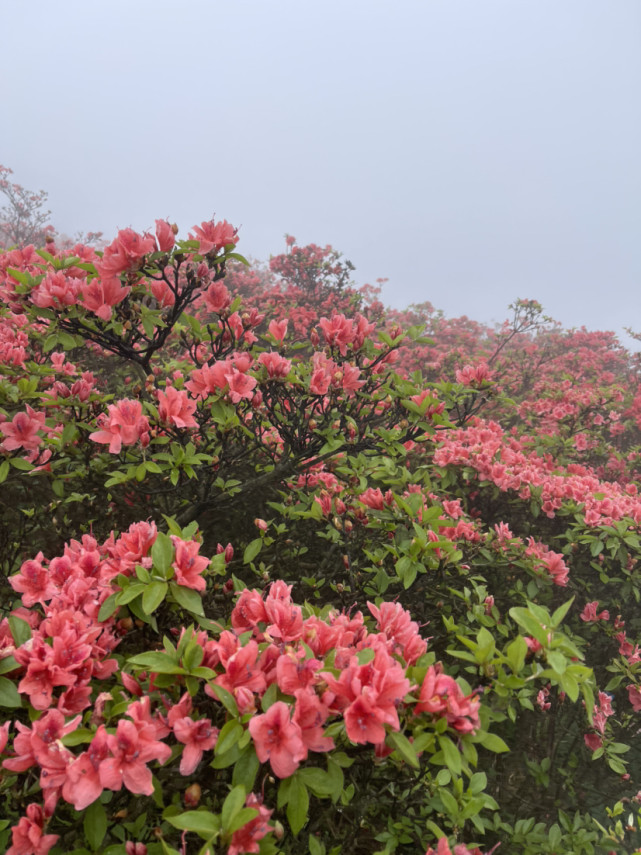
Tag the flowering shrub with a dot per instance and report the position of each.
(228, 527)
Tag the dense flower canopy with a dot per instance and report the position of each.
(285, 573)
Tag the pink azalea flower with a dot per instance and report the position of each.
(34, 582)
(101, 295)
(310, 713)
(276, 365)
(442, 696)
(319, 382)
(248, 612)
(351, 375)
(278, 739)
(363, 720)
(56, 291)
(206, 380)
(246, 839)
(175, 407)
(217, 298)
(82, 786)
(473, 375)
(22, 430)
(294, 671)
(286, 620)
(373, 498)
(131, 753)
(214, 236)
(278, 329)
(124, 425)
(188, 565)
(240, 386)
(634, 696)
(593, 741)
(338, 331)
(589, 613)
(197, 737)
(165, 236)
(28, 836)
(242, 671)
(125, 252)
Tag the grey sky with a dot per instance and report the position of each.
(472, 151)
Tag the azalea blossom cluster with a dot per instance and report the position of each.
(325, 669)
(125, 255)
(240, 391)
(69, 646)
(367, 696)
(506, 461)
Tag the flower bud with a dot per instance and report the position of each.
(192, 795)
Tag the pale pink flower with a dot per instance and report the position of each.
(22, 430)
(174, 406)
(214, 236)
(278, 739)
(124, 425)
(197, 737)
(28, 836)
(589, 613)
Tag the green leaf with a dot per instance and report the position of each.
(202, 822)
(130, 593)
(226, 698)
(78, 737)
(4, 470)
(478, 783)
(20, 630)
(494, 743)
(9, 697)
(161, 663)
(530, 624)
(50, 342)
(451, 754)
(8, 664)
(557, 661)
(365, 655)
(252, 549)
(515, 653)
(153, 596)
(246, 769)
(317, 780)
(449, 803)
(232, 805)
(336, 779)
(315, 846)
(22, 465)
(405, 748)
(162, 553)
(95, 825)
(243, 816)
(561, 612)
(19, 275)
(187, 598)
(298, 805)
(229, 735)
(269, 697)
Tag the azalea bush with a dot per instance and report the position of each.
(283, 574)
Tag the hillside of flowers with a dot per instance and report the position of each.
(285, 571)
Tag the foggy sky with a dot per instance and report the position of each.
(471, 151)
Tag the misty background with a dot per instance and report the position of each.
(469, 151)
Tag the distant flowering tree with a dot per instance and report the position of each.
(23, 218)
